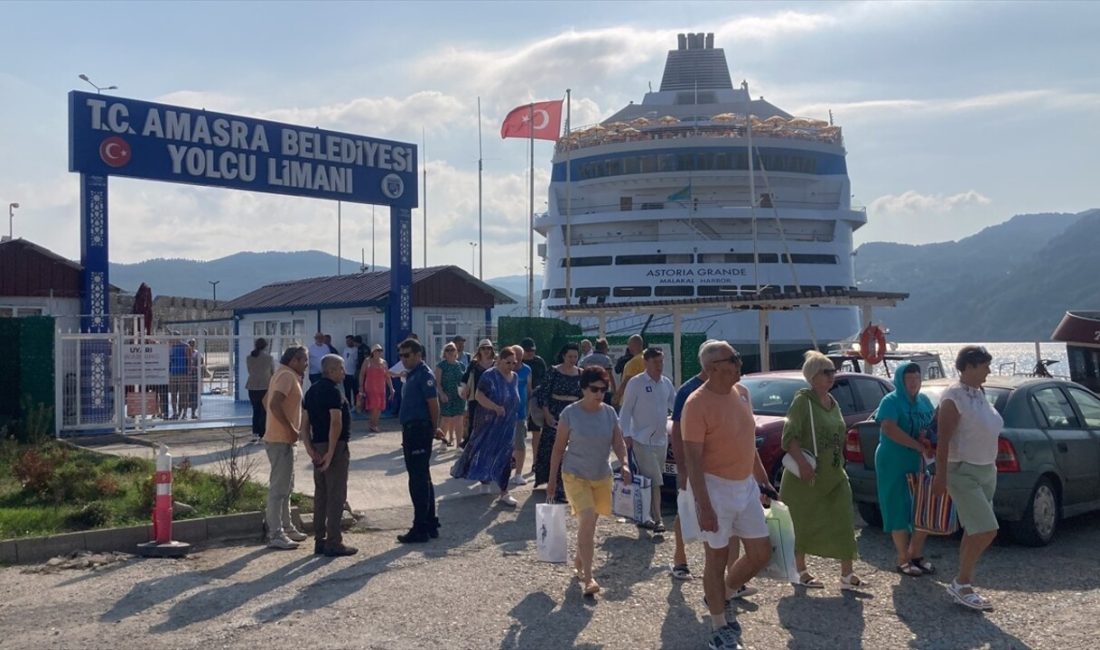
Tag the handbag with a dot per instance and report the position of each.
(789, 462)
(932, 514)
(550, 534)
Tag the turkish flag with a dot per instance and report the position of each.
(545, 115)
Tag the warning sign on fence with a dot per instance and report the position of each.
(153, 356)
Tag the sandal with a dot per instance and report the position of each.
(970, 599)
(681, 572)
(851, 582)
(805, 579)
(924, 565)
(909, 569)
(591, 588)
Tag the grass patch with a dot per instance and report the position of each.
(52, 488)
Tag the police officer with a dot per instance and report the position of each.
(419, 416)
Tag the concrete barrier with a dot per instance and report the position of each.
(29, 550)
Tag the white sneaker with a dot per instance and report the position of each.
(508, 500)
(744, 592)
(296, 535)
(519, 480)
(282, 542)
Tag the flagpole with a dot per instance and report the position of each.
(424, 145)
(752, 201)
(568, 203)
(480, 167)
(339, 233)
(531, 216)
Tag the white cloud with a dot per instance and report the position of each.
(913, 202)
(1035, 100)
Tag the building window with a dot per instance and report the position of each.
(632, 292)
(441, 328)
(559, 293)
(678, 290)
(626, 203)
(19, 311)
(281, 334)
(719, 290)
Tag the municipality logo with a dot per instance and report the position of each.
(392, 186)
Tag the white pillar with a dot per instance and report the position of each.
(677, 349)
(765, 348)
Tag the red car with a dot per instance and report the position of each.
(772, 392)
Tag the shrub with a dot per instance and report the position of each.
(73, 482)
(93, 515)
(106, 485)
(130, 465)
(34, 469)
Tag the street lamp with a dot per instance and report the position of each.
(11, 216)
(473, 256)
(98, 89)
(214, 284)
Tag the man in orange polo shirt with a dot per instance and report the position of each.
(726, 478)
(283, 404)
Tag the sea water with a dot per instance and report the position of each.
(1008, 358)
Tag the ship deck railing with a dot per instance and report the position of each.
(593, 136)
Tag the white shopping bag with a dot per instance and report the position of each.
(632, 500)
(781, 533)
(550, 535)
(689, 517)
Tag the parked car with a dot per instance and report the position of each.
(772, 393)
(1048, 455)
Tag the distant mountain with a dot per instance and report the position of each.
(1009, 282)
(236, 274)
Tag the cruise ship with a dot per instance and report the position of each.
(660, 205)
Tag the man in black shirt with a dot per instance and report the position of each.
(538, 372)
(326, 433)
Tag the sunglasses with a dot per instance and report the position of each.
(592, 388)
(735, 359)
(829, 373)
(406, 355)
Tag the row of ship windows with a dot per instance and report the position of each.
(774, 162)
(701, 258)
(687, 290)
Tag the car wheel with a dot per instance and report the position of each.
(870, 514)
(1040, 520)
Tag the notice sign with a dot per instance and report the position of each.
(112, 136)
(154, 358)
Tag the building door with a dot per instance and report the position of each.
(364, 327)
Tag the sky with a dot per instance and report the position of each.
(956, 115)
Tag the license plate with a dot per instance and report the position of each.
(670, 468)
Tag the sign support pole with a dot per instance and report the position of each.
(95, 302)
(399, 305)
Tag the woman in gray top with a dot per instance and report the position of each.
(588, 430)
(260, 369)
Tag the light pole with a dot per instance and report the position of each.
(214, 284)
(473, 256)
(11, 217)
(98, 89)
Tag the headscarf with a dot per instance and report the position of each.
(911, 414)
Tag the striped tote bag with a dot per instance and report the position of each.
(932, 514)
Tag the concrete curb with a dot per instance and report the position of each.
(29, 550)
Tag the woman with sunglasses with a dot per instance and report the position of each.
(488, 453)
(448, 377)
(560, 388)
(587, 430)
(483, 360)
(820, 499)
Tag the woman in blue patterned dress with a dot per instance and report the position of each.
(488, 453)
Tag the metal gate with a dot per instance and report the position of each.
(121, 382)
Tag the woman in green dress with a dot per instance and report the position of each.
(905, 416)
(448, 376)
(821, 500)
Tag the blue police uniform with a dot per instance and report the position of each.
(417, 435)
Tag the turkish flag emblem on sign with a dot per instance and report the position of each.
(541, 120)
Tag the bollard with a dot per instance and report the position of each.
(162, 544)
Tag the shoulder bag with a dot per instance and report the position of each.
(789, 461)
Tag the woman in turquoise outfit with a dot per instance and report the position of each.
(448, 376)
(905, 416)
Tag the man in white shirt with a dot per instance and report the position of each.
(351, 369)
(317, 351)
(648, 398)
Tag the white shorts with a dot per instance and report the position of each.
(737, 506)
